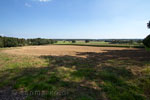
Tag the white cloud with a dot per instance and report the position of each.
(27, 5)
(44, 0)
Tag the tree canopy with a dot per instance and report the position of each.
(146, 41)
(14, 42)
(148, 24)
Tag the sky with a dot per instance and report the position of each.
(75, 19)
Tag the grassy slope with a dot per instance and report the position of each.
(73, 78)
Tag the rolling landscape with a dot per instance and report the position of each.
(89, 71)
(74, 50)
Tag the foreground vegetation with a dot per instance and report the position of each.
(112, 75)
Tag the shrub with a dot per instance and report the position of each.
(87, 41)
(73, 41)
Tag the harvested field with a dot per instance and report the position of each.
(59, 50)
(74, 73)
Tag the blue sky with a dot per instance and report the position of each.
(95, 19)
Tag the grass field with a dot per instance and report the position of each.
(99, 44)
(82, 42)
(64, 72)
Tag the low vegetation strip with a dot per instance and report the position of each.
(107, 45)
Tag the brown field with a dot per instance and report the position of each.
(60, 50)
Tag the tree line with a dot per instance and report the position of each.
(14, 42)
(124, 41)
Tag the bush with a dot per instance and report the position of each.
(87, 41)
(73, 41)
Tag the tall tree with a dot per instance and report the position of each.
(146, 41)
(1, 42)
(148, 24)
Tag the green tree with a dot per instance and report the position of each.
(10, 42)
(39, 41)
(13, 42)
(87, 41)
(146, 41)
(73, 41)
(21, 42)
(1, 42)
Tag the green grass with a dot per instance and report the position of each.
(118, 89)
(99, 44)
(82, 42)
(75, 78)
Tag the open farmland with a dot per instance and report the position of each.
(100, 44)
(65, 72)
(59, 50)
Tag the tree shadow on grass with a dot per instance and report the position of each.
(109, 70)
(137, 54)
(77, 78)
(42, 83)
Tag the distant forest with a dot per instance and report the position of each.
(14, 42)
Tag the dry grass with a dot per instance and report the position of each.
(59, 50)
(81, 72)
